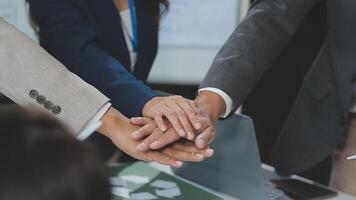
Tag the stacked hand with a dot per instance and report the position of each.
(180, 112)
(172, 131)
(177, 121)
(118, 128)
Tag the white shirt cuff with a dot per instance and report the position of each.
(227, 99)
(94, 123)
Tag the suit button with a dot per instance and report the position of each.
(56, 110)
(33, 94)
(41, 99)
(48, 105)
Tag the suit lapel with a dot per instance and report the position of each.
(108, 23)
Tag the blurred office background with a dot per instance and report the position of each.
(190, 36)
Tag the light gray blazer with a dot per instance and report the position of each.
(32, 78)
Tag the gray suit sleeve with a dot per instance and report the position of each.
(32, 78)
(254, 45)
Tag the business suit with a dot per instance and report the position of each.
(87, 37)
(32, 78)
(278, 98)
(316, 125)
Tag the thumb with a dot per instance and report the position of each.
(204, 139)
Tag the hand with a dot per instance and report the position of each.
(210, 107)
(152, 134)
(154, 138)
(180, 112)
(118, 128)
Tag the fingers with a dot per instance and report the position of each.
(158, 117)
(145, 145)
(190, 109)
(205, 138)
(144, 131)
(140, 121)
(172, 117)
(187, 152)
(180, 112)
(184, 122)
(167, 138)
(184, 156)
(190, 147)
(161, 158)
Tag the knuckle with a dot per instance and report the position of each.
(189, 127)
(167, 152)
(182, 114)
(191, 112)
(166, 158)
(149, 140)
(177, 97)
(171, 115)
(170, 153)
(213, 130)
(169, 112)
(146, 157)
(158, 113)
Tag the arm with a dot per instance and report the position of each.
(67, 36)
(25, 65)
(247, 54)
(254, 45)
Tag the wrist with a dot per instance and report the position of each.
(210, 104)
(112, 120)
(148, 105)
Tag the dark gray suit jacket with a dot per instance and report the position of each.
(317, 122)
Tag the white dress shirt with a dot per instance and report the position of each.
(84, 134)
(126, 24)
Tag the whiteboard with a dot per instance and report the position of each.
(206, 23)
(191, 35)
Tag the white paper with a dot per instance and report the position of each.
(199, 22)
(143, 196)
(169, 193)
(163, 184)
(121, 192)
(116, 181)
(135, 179)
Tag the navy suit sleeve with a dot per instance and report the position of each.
(69, 38)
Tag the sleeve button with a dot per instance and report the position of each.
(48, 105)
(33, 94)
(56, 110)
(41, 99)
